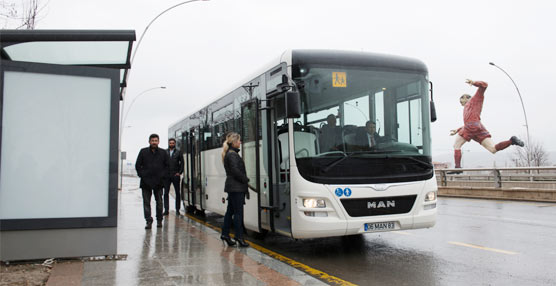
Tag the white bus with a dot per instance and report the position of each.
(309, 178)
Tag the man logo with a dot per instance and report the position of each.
(381, 204)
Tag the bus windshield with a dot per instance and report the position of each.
(362, 125)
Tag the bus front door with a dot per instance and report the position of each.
(280, 166)
(250, 151)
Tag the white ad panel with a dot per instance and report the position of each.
(55, 146)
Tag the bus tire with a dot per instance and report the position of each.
(257, 235)
(200, 213)
(190, 209)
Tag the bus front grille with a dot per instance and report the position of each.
(379, 206)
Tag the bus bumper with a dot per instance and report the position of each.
(334, 226)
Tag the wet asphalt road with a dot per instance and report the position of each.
(475, 242)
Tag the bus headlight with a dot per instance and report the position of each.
(431, 196)
(314, 203)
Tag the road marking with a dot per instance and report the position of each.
(402, 232)
(546, 206)
(298, 265)
(482, 247)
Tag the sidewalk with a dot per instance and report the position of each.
(182, 252)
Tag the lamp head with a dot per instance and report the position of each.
(491, 63)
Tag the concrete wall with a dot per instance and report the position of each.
(57, 243)
(541, 195)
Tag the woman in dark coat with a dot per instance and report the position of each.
(236, 187)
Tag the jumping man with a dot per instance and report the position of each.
(473, 128)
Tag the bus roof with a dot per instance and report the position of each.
(355, 58)
(325, 57)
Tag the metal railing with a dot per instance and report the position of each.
(522, 177)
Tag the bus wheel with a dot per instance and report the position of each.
(200, 213)
(257, 235)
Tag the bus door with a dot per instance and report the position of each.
(185, 184)
(279, 166)
(198, 189)
(250, 135)
(195, 167)
(191, 169)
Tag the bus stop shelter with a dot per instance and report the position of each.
(60, 94)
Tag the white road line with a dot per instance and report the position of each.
(504, 219)
(546, 206)
(402, 232)
(482, 247)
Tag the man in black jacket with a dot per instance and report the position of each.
(152, 167)
(176, 169)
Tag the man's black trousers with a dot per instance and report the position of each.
(174, 180)
(147, 194)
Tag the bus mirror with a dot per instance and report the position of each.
(433, 112)
(293, 106)
(433, 109)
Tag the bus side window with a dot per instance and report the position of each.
(305, 144)
(284, 155)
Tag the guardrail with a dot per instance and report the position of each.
(523, 183)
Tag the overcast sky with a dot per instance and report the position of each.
(202, 50)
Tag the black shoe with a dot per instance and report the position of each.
(516, 141)
(149, 225)
(166, 213)
(228, 240)
(242, 243)
(159, 224)
(178, 212)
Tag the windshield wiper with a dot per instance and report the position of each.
(331, 165)
(426, 164)
(382, 151)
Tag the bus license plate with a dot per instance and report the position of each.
(376, 226)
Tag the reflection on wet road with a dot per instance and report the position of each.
(475, 242)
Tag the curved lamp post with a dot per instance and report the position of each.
(122, 124)
(143, 35)
(139, 43)
(522, 106)
(129, 72)
(124, 118)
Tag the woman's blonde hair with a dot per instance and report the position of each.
(230, 138)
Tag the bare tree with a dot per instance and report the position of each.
(8, 10)
(533, 152)
(23, 14)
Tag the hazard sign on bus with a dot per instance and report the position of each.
(339, 79)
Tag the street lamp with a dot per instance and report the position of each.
(129, 72)
(522, 106)
(124, 118)
(122, 124)
(143, 35)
